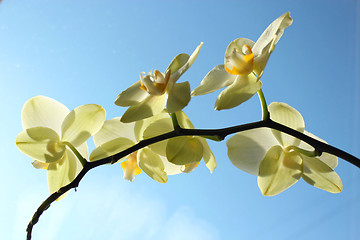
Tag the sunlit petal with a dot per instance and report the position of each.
(63, 172)
(152, 165)
(39, 165)
(157, 128)
(41, 111)
(242, 89)
(208, 155)
(151, 106)
(278, 171)
(40, 143)
(178, 97)
(131, 96)
(288, 116)
(184, 150)
(112, 129)
(110, 148)
(247, 149)
(320, 175)
(81, 123)
(328, 159)
(215, 79)
(130, 167)
(184, 120)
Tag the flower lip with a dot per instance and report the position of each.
(155, 83)
(240, 63)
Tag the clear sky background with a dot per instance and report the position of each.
(81, 52)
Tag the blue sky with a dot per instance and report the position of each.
(81, 52)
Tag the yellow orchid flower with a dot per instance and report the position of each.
(280, 160)
(154, 91)
(116, 136)
(243, 67)
(49, 127)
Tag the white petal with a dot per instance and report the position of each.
(288, 116)
(63, 172)
(237, 44)
(110, 148)
(140, 126)
(241, 90)
(328, 159)
(131, 96)
(151, 106)
(178, 97)
(247, 149)
(208, 155)
(215, 79)
(266, 42)
(184, 120)
(81, 123)
(184, 150)
(320, 175)
(157, 128)
(152, 165)
(112, 129)
(278, 171)
(40, 143)
(41, 111)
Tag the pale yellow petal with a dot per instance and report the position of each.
(40, 143)
(110, 148)
(130, 167)
(241, 90)
(320, 175)
(112, 129)
(151, 106)
(184, 120)
(141, 125)
(247, 149)
(152, 165)
(178, 97)
(63, 172)
(208, 155)
(328, 159)
(41, 111)
(184, 150)
(81, 123)
(39, 165)
(288, 116)
(131, 96)
(215, 79)
(157, 128)
(278, 171)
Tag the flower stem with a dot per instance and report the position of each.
(265, 111)
(82, 160)
(175, 122)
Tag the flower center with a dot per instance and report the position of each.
(130, 167)
(155, 83)
(240, 63)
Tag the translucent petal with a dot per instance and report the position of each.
(63, 172)
(183, 120)
(247, 149)
(131, 96)
(215, 79)
(329, 159)
(266, 42)
(41, 111)
(320, 175)
(112, 129)
(184, 150)
(110, 148)
(170, 168)
(40, 143)
(208, 155)
(130, 167)
(189, 167)
(140, 126)
(178, 97)
(39, 165)
(81, 123)
(236, 60)
(175, 75)
(241, 90)
(178, 61)
(278, 171)
(151, 106)
(157, 128)
(152, 165)
(288, 116)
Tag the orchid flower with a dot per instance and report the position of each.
(116, 136)
(154, 91)
(280, 160)
(52, 132)
(243, 67)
